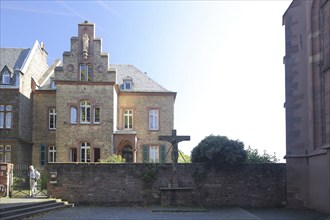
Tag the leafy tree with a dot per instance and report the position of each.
(113, 159)
(183, 158)
(219, 152)
(253, 156)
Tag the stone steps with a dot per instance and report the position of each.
(30, 209)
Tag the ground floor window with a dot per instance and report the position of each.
(5, 153)
(52, 154)
(85, 152)
(97, 154)
(73, 155)
(153, 154)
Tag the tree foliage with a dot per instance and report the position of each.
(219, 152)
(113, 159)
(183, 158)
(253, 156)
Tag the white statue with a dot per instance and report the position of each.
(85, 40)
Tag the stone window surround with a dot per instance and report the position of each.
(5, 153)
(76, 105)
(127, 115)
(89, 71)
(51, 154)
(50, 113)
(5, 113)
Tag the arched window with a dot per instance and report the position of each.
(73, 115)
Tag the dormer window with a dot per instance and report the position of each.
(127, 83)
(5, 78)
(52, 83)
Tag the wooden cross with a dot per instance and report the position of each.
(174, 140)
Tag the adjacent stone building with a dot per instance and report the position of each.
(307, 85)
(19, 68)
(83, 109)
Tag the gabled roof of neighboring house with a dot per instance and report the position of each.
(44, 81)
(141, 82)
(13, 58)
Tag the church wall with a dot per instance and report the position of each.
(253, 185)
(307, 85)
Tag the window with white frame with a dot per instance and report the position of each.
(6, 78)
(52, 154)
(73, 115)
(128, 119)
(153, 119)
(85, 72)
(52, 118)
(5, 116)
(85, 152)
(154, 154)
(5, 153)
(52, 83)
(85, 112)
(127, 84)
(97, 115)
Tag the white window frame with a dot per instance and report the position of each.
(52, 154)
(5, 78)
(85, 109)
(52, 119)
(85, 152)
(127, 85)
(5, 116)
(153, 119)
(154, 154)
(128, 119)
(97, 120)
(52, 83)
(5, 153)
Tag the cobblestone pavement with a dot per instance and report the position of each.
(139, 213)
(160, 213)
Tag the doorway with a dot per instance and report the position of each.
(127, 154)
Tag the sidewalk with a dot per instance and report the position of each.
(95, 212)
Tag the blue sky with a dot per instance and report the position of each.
(223, 58)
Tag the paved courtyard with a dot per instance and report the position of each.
(90, 212)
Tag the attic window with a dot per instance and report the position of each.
(5, 78)
(127, 84)
(52, 83)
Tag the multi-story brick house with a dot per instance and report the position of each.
(89, 109)
(307, 85)
(19, 69)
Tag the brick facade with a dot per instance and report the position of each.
(103, 89)
(23, 64)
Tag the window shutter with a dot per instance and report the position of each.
(162, 153)
(42, 155)
(145, 153)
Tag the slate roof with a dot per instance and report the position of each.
(141, 81)
(13, 58)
